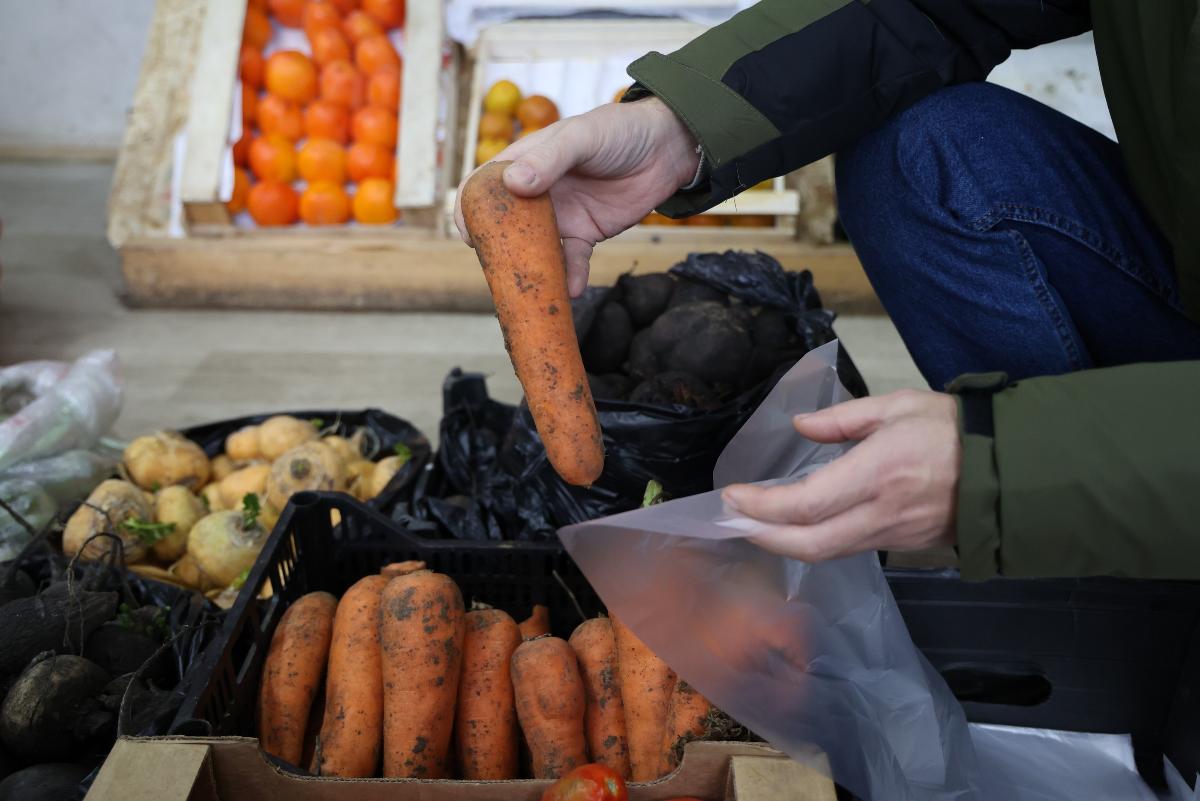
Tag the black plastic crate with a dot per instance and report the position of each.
(306, 552)
(1097, 655)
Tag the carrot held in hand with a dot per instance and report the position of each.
(537, 624)
(421, 632)
(518, 245)
(687, 716)
(595, 646)
(292, 674)
(646, 684)
(550, 705)
(352, 730)
(486, 720)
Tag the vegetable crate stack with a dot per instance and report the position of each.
(295, 115)
(529, 73)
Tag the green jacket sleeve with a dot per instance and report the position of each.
(1092, 473)
(786, 82)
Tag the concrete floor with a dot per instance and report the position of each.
(58, 300)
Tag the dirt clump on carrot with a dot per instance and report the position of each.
(518, 245)
(551, 705)
(292, 674)
(422, 628)
(687, 719)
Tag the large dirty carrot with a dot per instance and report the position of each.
(646, 684)
(486, 719)
(518, 245)
(352, 729)
(292, 674)
(595, 645)
(687, 718)
(550, 705)
(421, 632)
(537, 624)
(401, 568)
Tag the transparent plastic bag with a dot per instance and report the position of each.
(801, 654)
(71, 413)
(34, 506)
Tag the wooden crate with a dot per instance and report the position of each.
(538, 47)
(421, 266)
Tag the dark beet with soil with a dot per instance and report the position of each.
(607, 342)
(54, 708)
(687, 291)
(646, 296)
(674, 389)
(706, 340)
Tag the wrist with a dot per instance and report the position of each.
(680, 149)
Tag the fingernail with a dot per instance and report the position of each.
(730, 497)
(520, 173)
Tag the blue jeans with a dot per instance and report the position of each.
(1002, 235)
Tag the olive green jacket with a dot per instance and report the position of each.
(1097, 472)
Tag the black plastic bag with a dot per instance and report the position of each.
(491, 479)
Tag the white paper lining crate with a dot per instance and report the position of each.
(213, 121)
(580, 64)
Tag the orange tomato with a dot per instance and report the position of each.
(324, 203)
(374, 53)
(241, 187)
(383, 89)
(495, 126)
(329, 44)
(590, 783)
(256, 29)
(654, 218)
(752, 220)
(345, 7)
(375, 124)
(324, 119)
(261, 5)
(537, 111)
(288, 12)
(705, 221)
(272, 158)
(358, 25)
(250, 66)
(249, 106)
(388, 13)
(341, 83)
(291, 75)
(241, 150)
(319, 15)
(621, 93)
(365, 160)
(373, 202)
(488, 149)
(278, 116)
(322, 160)
(272, 203)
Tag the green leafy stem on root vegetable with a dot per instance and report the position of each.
(251, 509)
(148, 533)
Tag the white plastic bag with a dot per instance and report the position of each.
(71, 413)
(799, 653)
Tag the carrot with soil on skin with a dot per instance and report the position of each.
(486, 734)
(292, 674)
(687, 716)
(401, 568)
(537, 624)
(421, 632)
(352, 729)
(518, 245)
(550, 705)
(646, 685)
(595, 645)
(312, 729)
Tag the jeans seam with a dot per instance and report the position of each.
(1019, 212)
(1041, 291)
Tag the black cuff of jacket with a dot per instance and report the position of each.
(977, 518)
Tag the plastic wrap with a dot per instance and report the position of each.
(801, 654)
(71, 413)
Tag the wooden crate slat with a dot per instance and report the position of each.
(421, 99)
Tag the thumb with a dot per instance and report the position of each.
(556, 151)
(850, 420)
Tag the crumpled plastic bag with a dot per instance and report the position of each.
(71, 413)
(799, 653)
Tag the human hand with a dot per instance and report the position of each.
(605, 171)
(895, 490)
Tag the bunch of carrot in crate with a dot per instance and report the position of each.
(415, 685)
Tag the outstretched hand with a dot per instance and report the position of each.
(605, 170)
(895, 490)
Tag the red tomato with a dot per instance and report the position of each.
(588, 783)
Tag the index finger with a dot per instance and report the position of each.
(835, 488)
